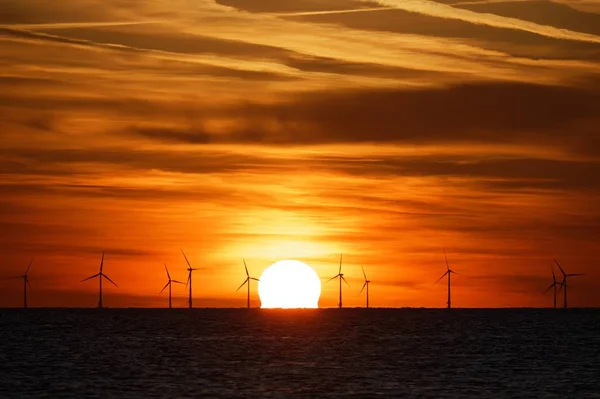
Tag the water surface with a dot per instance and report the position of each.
(410, 353)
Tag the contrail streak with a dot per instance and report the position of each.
(67, 25)
(308, 13)
(439, 10)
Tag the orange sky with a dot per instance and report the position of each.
(386, 130)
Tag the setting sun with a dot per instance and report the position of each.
(289, 284)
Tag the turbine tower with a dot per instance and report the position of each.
(365, 285)
(100, 276)
(341, 277)
(25, 278)
(448, 273)
(553, 285)
(169, 283)
(190, 269)
(247, 281)
(564, 280)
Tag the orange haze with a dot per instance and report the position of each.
(384, 130)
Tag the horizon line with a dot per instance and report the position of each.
(294, 309)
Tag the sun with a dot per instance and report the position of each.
(289, 284)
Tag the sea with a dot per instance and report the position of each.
(319, 353)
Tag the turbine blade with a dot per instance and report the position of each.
(553, 274)
(178, 282)
(186, 259)
(27, 271)
(333, 278)
(164, 288)
(91, 277)
(453, 272)
(243, 284)
(246, 267)
(168, 275)
(363, 287)
(252, 278)
(364, 274)
(549, 288)
(188, 279)
(446, 257)
(575, 275)
(345, 281)
(560, 267)
(340, 270)
(443, 275)
(102, 262)
(108, 278)
(28, 283)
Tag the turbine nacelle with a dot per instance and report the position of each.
(247, 281)
(340, 275)
(26, 283)
(169, 280)
(100, 276)
(448, 273)
(365, 285)
(564, 284)
(26, 275)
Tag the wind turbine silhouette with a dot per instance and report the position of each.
(341, 277)
(247, 281)
(365, 285)
(26, 283)
(169, 283)
(100, 276)
(190, 269)
(553, 285)
(448, 273)
(564, 280)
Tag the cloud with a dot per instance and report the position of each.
(39, 248)
(174, 52)
(488, 112)
(499, 174)
(162, 38)
(547, 13)
(183, 161)
(327, 12)
(274, 6)
(516, 283)
(445, 11)
(516, 42)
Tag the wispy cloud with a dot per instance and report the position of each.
(441, 10)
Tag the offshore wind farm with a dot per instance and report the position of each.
(557, 286)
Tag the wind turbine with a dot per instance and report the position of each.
(25, 278)
(564, 281)
(190, 269)
(169, 283)
(247, 281)
(553, 285)
(365, 285)
(448, 273)
(100, 276)
(341, 277)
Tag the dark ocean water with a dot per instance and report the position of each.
(411, 353)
